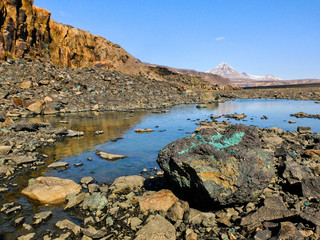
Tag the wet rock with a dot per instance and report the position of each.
(72, 134)
(304, 130)
(289, 231)
(126, 184)
(218, 168)
(64, 236)
(52, 190)
(99, 132)
(58, 165)
(274, 209)
(236, 116)
(95, 202)
(305, 115)
(200, 106)
(109, 156)
(42, 216)
(27, 236)
(66, 224)
(146, 130)
(94, 233)
(157, 228)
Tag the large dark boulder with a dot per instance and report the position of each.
(218, 168)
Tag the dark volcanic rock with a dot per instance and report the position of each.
(218, 168)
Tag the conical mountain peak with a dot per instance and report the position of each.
(225, 70)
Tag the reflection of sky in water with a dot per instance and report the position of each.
(143, 149)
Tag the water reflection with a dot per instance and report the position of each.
(113, 124)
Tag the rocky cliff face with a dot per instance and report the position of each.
(28, 31)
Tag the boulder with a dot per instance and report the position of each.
(157, 228)
(162, 200)
(218, 168)
(51, 190)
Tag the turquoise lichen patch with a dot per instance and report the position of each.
(228, 142)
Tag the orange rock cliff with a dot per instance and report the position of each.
(28, 31)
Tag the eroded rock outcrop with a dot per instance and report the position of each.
(29, 31)
(219, 168)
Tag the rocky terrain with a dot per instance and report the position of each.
(136, 207)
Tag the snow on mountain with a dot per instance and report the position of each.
(225, 70)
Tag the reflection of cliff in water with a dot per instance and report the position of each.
(114, 125)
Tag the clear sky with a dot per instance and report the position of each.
(278, 37)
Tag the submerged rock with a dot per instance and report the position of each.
(218, 168)
(51, 190)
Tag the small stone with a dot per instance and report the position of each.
(42, 216)
(95, 202)
(87, 180)
(93, 188)
(304, 130)
(289, 231)
(94, 233)
(134, 223)
(146, 130)
(78, 164)
(27, 227)
(19, 221)
(58, 165)
(66, 224)
(109, 156)
(26, 237)
(263, 235)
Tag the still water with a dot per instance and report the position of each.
(142, 149)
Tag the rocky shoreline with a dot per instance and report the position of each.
(134, 207)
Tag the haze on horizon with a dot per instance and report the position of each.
(263, 37)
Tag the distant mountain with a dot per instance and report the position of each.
(226, 71)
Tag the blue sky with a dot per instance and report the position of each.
(259, 37)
